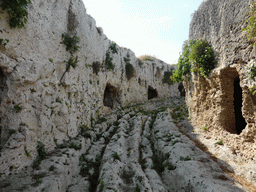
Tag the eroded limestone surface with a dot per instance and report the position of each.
(137, 148)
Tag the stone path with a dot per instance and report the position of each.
(135, 149)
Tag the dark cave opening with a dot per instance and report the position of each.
(152, 93)
(111, 96)
(238, 99)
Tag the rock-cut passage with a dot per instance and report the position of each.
(238, 99)
(152, 93)
(110, 96)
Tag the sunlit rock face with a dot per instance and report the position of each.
(223, 102)
(41, 101)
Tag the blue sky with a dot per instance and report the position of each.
(151, 27)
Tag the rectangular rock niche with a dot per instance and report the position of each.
(111, 96)
(231, 101)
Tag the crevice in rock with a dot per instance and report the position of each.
(238, 99)
(111, 96)
(139, 81)
(152, 93)
(3, 91)
(72, 20)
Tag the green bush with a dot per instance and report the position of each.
(137, 188)
(4, 42)
(202, 57)
(251, 22)
(76, 147)
(116, 156)
(17, 10)
(113, 48)
(17, 108)
(71, 47)
(72, 62)
(70, 42)
(26, 151)
(101, 186)
(185, 158)
(253, 90)
(41, 154)
(183, 67)
(108, 62)
(40, 150)
(220, 142)
(252, 72)
(198, 56)
(87, 165)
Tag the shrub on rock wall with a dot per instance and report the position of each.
(251, 23)
(71, 47)
(70, 42)
(17, 10)
(184, 66)
(198, 56)
(108, 61)
(252, 72)
(202, 57)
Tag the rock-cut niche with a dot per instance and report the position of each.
(231, 102)
(111, 96)
(152, 93)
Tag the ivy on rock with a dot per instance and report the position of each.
(17, 10)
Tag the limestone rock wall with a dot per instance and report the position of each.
(211, 101)
(37, 106)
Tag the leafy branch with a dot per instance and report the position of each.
(17, 10)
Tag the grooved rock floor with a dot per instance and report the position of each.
(137, 148)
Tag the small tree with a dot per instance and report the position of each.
(202, 57)
(198, 56)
